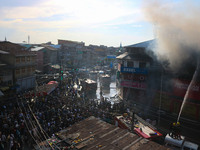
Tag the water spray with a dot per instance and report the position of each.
(189, 88)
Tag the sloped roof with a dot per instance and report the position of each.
(14, 49)
(27, 46)
(3, 52)
(93, 133)
(50, 47)
(137, 56)
(8, 44)
(37, 48)
(55, 46)
(144, 44)
(68, 42)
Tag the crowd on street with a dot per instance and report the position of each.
(31, 120)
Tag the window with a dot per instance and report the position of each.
(130, 64)
(29, 69)
(125, 63)
(33, 58)
(142, 65)
(23, 70)
(23, 59)
(28, 58)
(17, 71)
(17, 59)
(33, 69)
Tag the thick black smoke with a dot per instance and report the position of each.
(177, 27)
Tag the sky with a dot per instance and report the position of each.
(98, 22)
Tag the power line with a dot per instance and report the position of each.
(27, 126)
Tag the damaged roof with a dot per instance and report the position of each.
(93, 133)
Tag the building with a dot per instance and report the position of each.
(133, 73)
(38, 51)
(6, 75)
(152, 86)
(71, 53)
(46, 57)
(22, 63)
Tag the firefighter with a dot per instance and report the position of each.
(172, 130)
(178, 131)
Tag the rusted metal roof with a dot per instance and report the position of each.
(93, 133)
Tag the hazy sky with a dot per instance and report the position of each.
(101, 22)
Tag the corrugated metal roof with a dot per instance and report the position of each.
(122, 55)
(15, 49)
(37, 48)
(56, 46)
(137, 56)
(50, 48)
(26, 45)
(144, 44)
(93, 133)
(3, 52)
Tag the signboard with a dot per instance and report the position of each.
(136, 77)
(111, 56)
(134, 70)
(136, 85)
(180, 88)
(111, 64)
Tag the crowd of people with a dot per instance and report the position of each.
(31, 120)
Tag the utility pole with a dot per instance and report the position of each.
(28, 39)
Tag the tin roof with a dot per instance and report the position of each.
(138, 56)
(3, 52)
(93, 133)
(144, 44)
(15, 49)
(50, 47)
(37, 48)
(55, 46)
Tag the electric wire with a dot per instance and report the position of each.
(27, 126)
(38, 135)
(42, 130)
(35, 127)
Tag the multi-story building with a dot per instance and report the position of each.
(144, 82)
(22, 63)
(133, 72)
(46, 57)
(6, 76)
(39, 57)
(71, 52)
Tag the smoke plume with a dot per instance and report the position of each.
(177, 27)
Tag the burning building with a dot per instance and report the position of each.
(152, 85)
